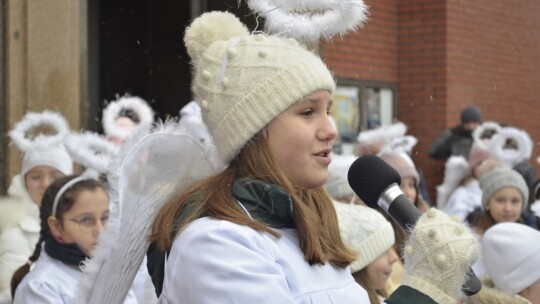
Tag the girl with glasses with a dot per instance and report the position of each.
(73, 213)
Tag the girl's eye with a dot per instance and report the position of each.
(307, 113)
(86, 220)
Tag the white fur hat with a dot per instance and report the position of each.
(364, 230)
(511, 253)
(43, 149)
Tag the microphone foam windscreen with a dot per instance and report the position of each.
(369, 176)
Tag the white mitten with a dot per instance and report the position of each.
(438, 255)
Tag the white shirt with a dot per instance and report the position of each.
(52, 281)
(216, 261)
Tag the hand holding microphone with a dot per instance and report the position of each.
(440, 250)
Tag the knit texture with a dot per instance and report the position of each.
(364, 230)
(499, 178)
(511, 253)
(244, 81)
(438, 255)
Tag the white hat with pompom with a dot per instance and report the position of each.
(243, 81)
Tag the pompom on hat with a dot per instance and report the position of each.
(364, 230)
(511, 253)
(499, 178)
(244, 81)
(43, 149)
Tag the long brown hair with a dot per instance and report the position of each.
(314, 213)
(361, 277)
(66, 201)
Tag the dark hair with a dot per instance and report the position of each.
(66, 201)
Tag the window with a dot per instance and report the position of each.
(363, 105)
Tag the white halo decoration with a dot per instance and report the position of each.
(112, 112)
(91, 150)
(33, 120)
(310, 20)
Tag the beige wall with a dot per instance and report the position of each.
(45, 53)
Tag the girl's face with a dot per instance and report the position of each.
(408, 186)
(505, 205)
(301, 139)
(38, 179)
(83, 223)
(380, 269)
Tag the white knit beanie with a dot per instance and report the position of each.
(499, 178)
(511, 253)
(364, 230)
(244, 81)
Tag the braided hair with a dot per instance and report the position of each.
(66, 201)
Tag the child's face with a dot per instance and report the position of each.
(380, 269)
(301, 139)
(408, 186)
(38, 179)
(505, 205)
(83, 223)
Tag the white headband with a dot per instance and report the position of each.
(87, 175)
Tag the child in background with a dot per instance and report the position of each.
(369, 233)
(511, 253)
(504, 197)
(45, 160)
(410, 178)
(73, 212)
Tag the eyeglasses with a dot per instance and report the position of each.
(88, 223)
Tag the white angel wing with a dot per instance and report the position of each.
(456, 168)
(159, 166)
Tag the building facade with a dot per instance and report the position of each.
(419, 62)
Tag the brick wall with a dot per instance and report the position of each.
(445, 55)
(371, 52)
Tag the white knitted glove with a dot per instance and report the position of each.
(438, 255)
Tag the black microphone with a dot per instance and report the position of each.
(377, 184)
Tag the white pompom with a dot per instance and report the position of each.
(210, 27)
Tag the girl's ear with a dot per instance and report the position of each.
(55, 227)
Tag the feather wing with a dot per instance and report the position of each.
(156, 168)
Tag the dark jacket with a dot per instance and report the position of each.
(407, 295)
(456, 141)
